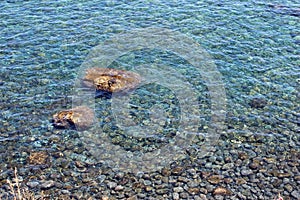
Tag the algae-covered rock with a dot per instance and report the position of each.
(81, 117)
(111, 80)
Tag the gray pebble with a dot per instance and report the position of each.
(285, 193)
(246, 172)
(184, 195)
(208, 165)
(119, 188)
(32, 184)
(176, 196)
(219, 197)
(101, 178)
(296, 194)
(47, 184)
(228, 166)
(120, 175)
(202, 197)
(209, 187)
(241, 196)
(193, 184)
(212, 159)
(141, 196)
(178, 189)
(147, 182)
(111, 185)
(65, 192)
(192, 172)
(4, 175)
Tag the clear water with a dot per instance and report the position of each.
(255, 46)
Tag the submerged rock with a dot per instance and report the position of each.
(38, 158)
(81, 117)
(221, 191)
(258, 102)
(214, 179)
(111, 80)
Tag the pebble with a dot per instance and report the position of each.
(221, 191)
(119, 188)
(32, 184)
(165, 172)
(111, 184)
(228, 180)
(65, 192)
(296, 194)
(162, 191)
(177, 171)
(175, 196)
(193, 184)
(101, 178)
(209, 187)
(241, 196)
(214, 179)
(192, 172)
(203, 190)
(246, 172)
(148, 188)
(120, 175)
(132, 198)
(183, 179)
(297, 178)
(254, 165)
(184, 195)
(240, 181)
(106, 198)
(147, 182)
(193, 190)
(218, 197)
(228, 166)
(282, 175)
(47, 184)
(202, 197)
(288, 187)
(178, 189)
(242, 155)
(62, 162)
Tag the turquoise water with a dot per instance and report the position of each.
(255, 46)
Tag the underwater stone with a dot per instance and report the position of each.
(81, 117)
(111, 80)
(38, 158)
(258, 102)
(221, 191)
(214, 179)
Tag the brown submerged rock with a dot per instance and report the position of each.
(214, 179)
(81, 117)
(111, 80)
(38, 158)
(221, 191)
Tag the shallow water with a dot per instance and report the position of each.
(255, 47)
